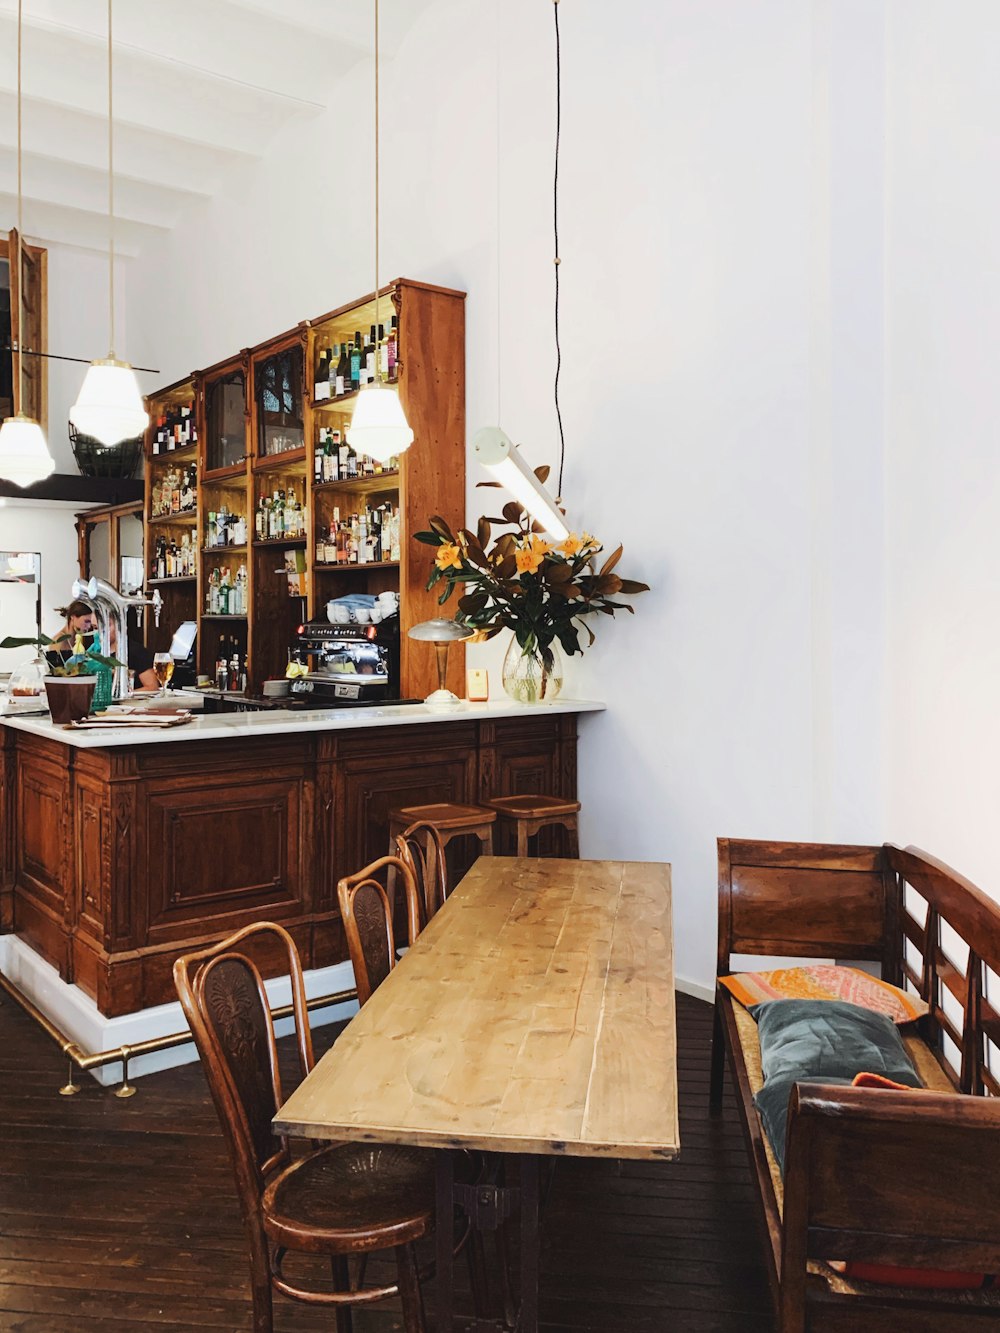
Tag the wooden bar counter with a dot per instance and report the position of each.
(121, 849)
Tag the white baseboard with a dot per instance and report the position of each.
(695, 989)
(77, 1015)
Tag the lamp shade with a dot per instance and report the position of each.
(439, 631)
(109, 406)
(500, 456)
(24, 455)
(379, 427)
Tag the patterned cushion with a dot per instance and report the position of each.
(823, 981)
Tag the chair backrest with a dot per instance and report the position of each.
(893, 1178)
(808, 900)
(951, 957)
(221, 990)
(421, 847)
(367, 915)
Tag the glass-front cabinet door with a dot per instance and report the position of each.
(226, 421)
(278, 394)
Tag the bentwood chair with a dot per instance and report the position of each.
(345, 1200)
(366, 909)
(421, 847)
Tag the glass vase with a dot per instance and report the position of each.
(527, 679)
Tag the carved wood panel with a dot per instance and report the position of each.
(216, 853)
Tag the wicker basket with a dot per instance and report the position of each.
(100, 460)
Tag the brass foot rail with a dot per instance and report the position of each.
(80, 1059)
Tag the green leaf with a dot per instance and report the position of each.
(36, 641)
(428, 538)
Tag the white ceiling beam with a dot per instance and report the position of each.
(74, 136)
(47, 224)
(48, 180)
(158, 95)
(222, 39)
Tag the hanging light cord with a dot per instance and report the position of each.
(111, 202)
(558, 261)
(378, 338)
(20, 225)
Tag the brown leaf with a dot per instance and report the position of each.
(483, 531)
(633, 586)
(512, 511)
(473, 602)
(611, 561)
(607, 585)
(542, 473)
(495, 484)
(442, 529)
(557, 571)
(507, 568)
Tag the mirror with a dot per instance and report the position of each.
(130, 563)
(99, 550)
(278, 390)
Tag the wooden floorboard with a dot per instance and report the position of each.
(122, 1216)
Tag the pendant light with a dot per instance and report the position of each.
(492, 446)
(109, 406)
(378, 426)
(24, 455)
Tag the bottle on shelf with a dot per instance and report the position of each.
(392, 350)
(343, 381)
(321, 385)
(356, 362)
(370, 357)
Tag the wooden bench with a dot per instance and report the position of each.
(911, 1178)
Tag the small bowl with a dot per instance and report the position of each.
(276, 689)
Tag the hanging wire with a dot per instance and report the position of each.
(558, 261)
(111, 202)
(378, 340)
(20, 224)
(496, 46)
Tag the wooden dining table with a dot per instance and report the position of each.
(534, 1017)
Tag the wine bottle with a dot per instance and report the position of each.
(343, 380)
(392, 350)
(356, 380)
(321, 387)
(370, 356)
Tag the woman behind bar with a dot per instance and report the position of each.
(80, 619)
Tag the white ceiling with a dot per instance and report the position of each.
(198, 86)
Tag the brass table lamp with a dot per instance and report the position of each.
(441, 633)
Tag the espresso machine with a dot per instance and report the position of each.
(348, 666)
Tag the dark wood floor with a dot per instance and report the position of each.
(121, 1214)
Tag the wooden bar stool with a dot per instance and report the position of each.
(451, 821)
(522, 817)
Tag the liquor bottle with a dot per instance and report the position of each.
(212, 597)
(187, 420)
(318, 457)
(321, 384)
(288, 515)
(260, 520)
(175, 492)
(342, 449)
(331, 371)
(222, 674)
(383, 353)
(343, 544)
(370, 357)
(343, 380)
(356, 362)
(392, 352)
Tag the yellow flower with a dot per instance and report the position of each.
(573, 545)
(448, 556)
(529, 557)
(588, 541)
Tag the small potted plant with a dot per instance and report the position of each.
(70, 687)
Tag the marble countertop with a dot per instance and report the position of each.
(279, 722)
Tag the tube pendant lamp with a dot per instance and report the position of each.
(24, 455)
(109, 406)
(378, 425)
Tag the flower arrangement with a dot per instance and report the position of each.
(517, 580)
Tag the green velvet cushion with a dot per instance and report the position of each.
(821, 1041)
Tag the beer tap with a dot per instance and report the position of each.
(111, 609)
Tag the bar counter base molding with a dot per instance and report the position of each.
(78, 1018)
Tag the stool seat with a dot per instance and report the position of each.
(445, 815)
(533, 807)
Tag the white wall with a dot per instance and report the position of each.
(943, 410)
(716, 366)
(78, 326)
